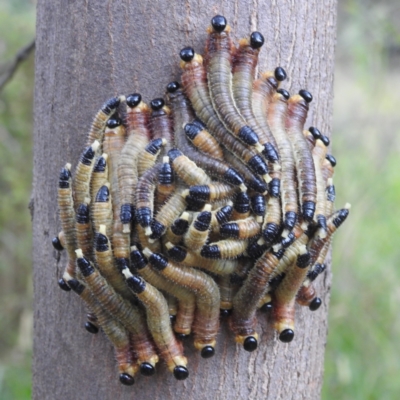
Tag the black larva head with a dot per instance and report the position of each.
(174, 153)
(219, 23)
(286, 336)
(315, 132)
(63, 285)
(315, 304)
(121, 263)
(284, 93)
(256, 40)
(147, 369)
(180, 373)
(177, 253)
(181, 336)
(331, 159)
(136, 284)
(126, 379)
(114, 122)
(325, 140)
(225, 313)
(110, 105)
(85, 267)
(158, 261)
(250, 343)
(307, 96)
(138, 260)
(57, 244)
(103, 195)
(157, 104)
(207, 352)
(93, 329)
(100, 165)
(209, 251)
(101, 243)
(266, 307)
(280, 74)
(187, 54)
(172, 87)
(133, 100)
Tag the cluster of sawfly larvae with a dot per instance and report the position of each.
(212, 202)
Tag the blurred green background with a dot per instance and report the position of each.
(362, 355)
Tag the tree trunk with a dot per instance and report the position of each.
(89, 51)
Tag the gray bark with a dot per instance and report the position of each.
(88, 51)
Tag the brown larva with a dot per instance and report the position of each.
(212, 192)
(228, 248)
(241, 229)
(306, 295)
(159, 324)
(206, 323)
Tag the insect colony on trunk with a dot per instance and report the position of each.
(215, 202)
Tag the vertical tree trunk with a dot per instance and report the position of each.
(88, 51)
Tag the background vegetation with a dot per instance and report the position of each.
(362, 358)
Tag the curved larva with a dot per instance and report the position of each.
(137, 117)
(145, 197)
(241, 229)
(318, 154)
(67, 217)
(194, 81)
(277, 111)
(159, 324)
(179, 227)
(203, 141)
(107, 266)
(165, 183)
(213, 191)
(228, 248)
(167, 214)
(102, 213)
(160, 123)
(193, 259)
(296, 116)
(84, 235)
(187, 170)
(243, 72)
(83, 173)
(186, 299)
(128, 315)
(182, 115)
(197, 234)
(306, 295)
(96, 131)
(264, 89)
(219, 76)
(227, 291)
(114, 331)
(148, 157)
(206, 322)
(245, 303)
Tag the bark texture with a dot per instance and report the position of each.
(88, 51)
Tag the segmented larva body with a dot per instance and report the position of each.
(166, 183)
(306, 295)
(241, 206)
(203, 141)
(145, 197)
(67, 217)
(228, 249)
(220, 216)
(168, 213)
(102, 213)
(271, 225)
(245, 303)
(194, 80)
(277, 111)
(161, 123)
(186, 298)
(296, 116)
(148, 157)
(84, 235)
(227, 291)
(99, 177)
(259, 206)
(96, 131)
(241, 229)
(212, 192)
(193, 259)
(219, 65)
(159, 324)
(179, 227)
(114, 331)
(83, 174)
(107, 266)
(197, 234)
(244, 71)
(206, 323)
(125, 312)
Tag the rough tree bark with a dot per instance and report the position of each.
(88, 51)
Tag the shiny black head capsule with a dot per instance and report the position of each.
(63, 285)
(126, 379)
(225, 313)
(286, 336)
(136, 284)
(147, 369)
(266, 307)
(157, 104)
(172, 87)
(315, 132)
(93, 329)
(284, 93)
(219, 23)
(187, 54)
(250, 343)
(181, 372)
(110, 105)
(280, 74)
(114, 122)
(325, 140)
(307, 96)
(207, 352)
(57, 243)
(331, 159)
(256, 40)
(315, 304)
(133, 100)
